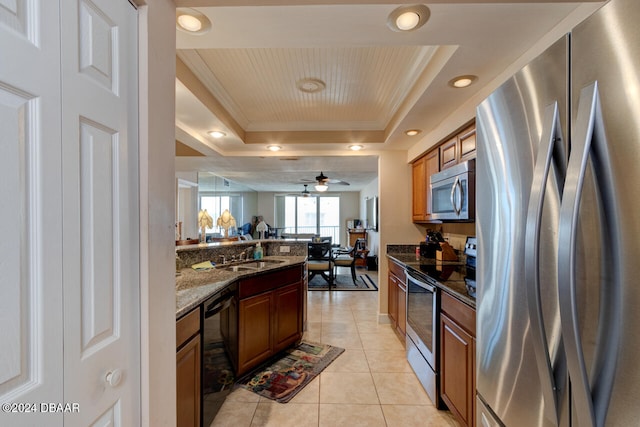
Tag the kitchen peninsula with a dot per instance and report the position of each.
(244, 309)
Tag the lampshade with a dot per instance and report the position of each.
(321, 187)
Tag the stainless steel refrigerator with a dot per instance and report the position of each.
(558, 228)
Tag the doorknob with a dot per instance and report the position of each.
(113, 378)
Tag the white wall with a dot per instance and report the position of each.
(394, 175)
(157, 50)
(373, 237)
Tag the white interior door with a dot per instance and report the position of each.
(100, 212)
(30, 212)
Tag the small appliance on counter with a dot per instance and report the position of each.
(431, 245)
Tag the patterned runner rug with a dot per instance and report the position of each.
(283, 379)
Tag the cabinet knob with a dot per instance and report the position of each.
(113, 378)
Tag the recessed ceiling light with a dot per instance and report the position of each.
(310, 85)
(408, 18)
(274, 147)
(356, 147)
(217, 134)
(462, 81)
(412, 132)
(191, 21)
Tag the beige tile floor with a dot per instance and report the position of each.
(370, 384)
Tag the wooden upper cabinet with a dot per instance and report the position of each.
(467, 139)
(419, 190)
(459, 148)
(423, 168)
(456, 149)
(449, 153)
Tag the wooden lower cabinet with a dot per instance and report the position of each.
(269, 313)
(457, 358)
(287, 316)
(188, 369)
(255, 330)
(397, 305)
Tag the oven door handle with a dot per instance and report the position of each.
(420, 282)
(218, 305)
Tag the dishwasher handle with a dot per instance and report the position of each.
(218, 305)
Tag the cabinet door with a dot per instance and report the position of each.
(393, 299)
(457, 370)
(467, 141)
(188, 383)
(432, 165)
(449, 154)
(287, 316)
(419, 190)
(255, 343)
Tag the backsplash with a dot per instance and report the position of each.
(189, 255)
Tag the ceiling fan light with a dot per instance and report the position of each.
(321, 187)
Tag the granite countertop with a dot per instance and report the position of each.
(447, 275)
(194, 287)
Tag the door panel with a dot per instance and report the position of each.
(605, 50)
(509, 129)
(101, 283)
(31, 209)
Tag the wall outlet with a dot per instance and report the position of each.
(285, 249)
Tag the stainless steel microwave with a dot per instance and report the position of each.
(453, 193)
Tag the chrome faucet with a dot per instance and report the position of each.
(243, 256)
(224, 260)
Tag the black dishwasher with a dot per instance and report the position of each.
(217, 371)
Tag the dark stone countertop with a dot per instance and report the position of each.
(194, 287)
(447, 275)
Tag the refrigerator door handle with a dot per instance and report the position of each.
(551, 136)
(590, 397)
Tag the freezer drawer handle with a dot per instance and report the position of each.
(589, 143)
(550, 148)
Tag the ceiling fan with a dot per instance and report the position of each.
(304, 193)
(322, 181)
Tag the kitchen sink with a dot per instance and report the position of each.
(239, 268)
(252, 265)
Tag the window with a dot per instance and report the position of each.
(316, 215)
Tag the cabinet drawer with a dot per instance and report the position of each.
(463, 315)
(187, 326)
(398, 271)
(269, 281)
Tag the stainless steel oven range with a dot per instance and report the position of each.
(423, 307)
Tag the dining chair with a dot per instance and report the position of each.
(320, 261)
(347, 257)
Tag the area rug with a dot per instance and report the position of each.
(343, 282)
(282, 379)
